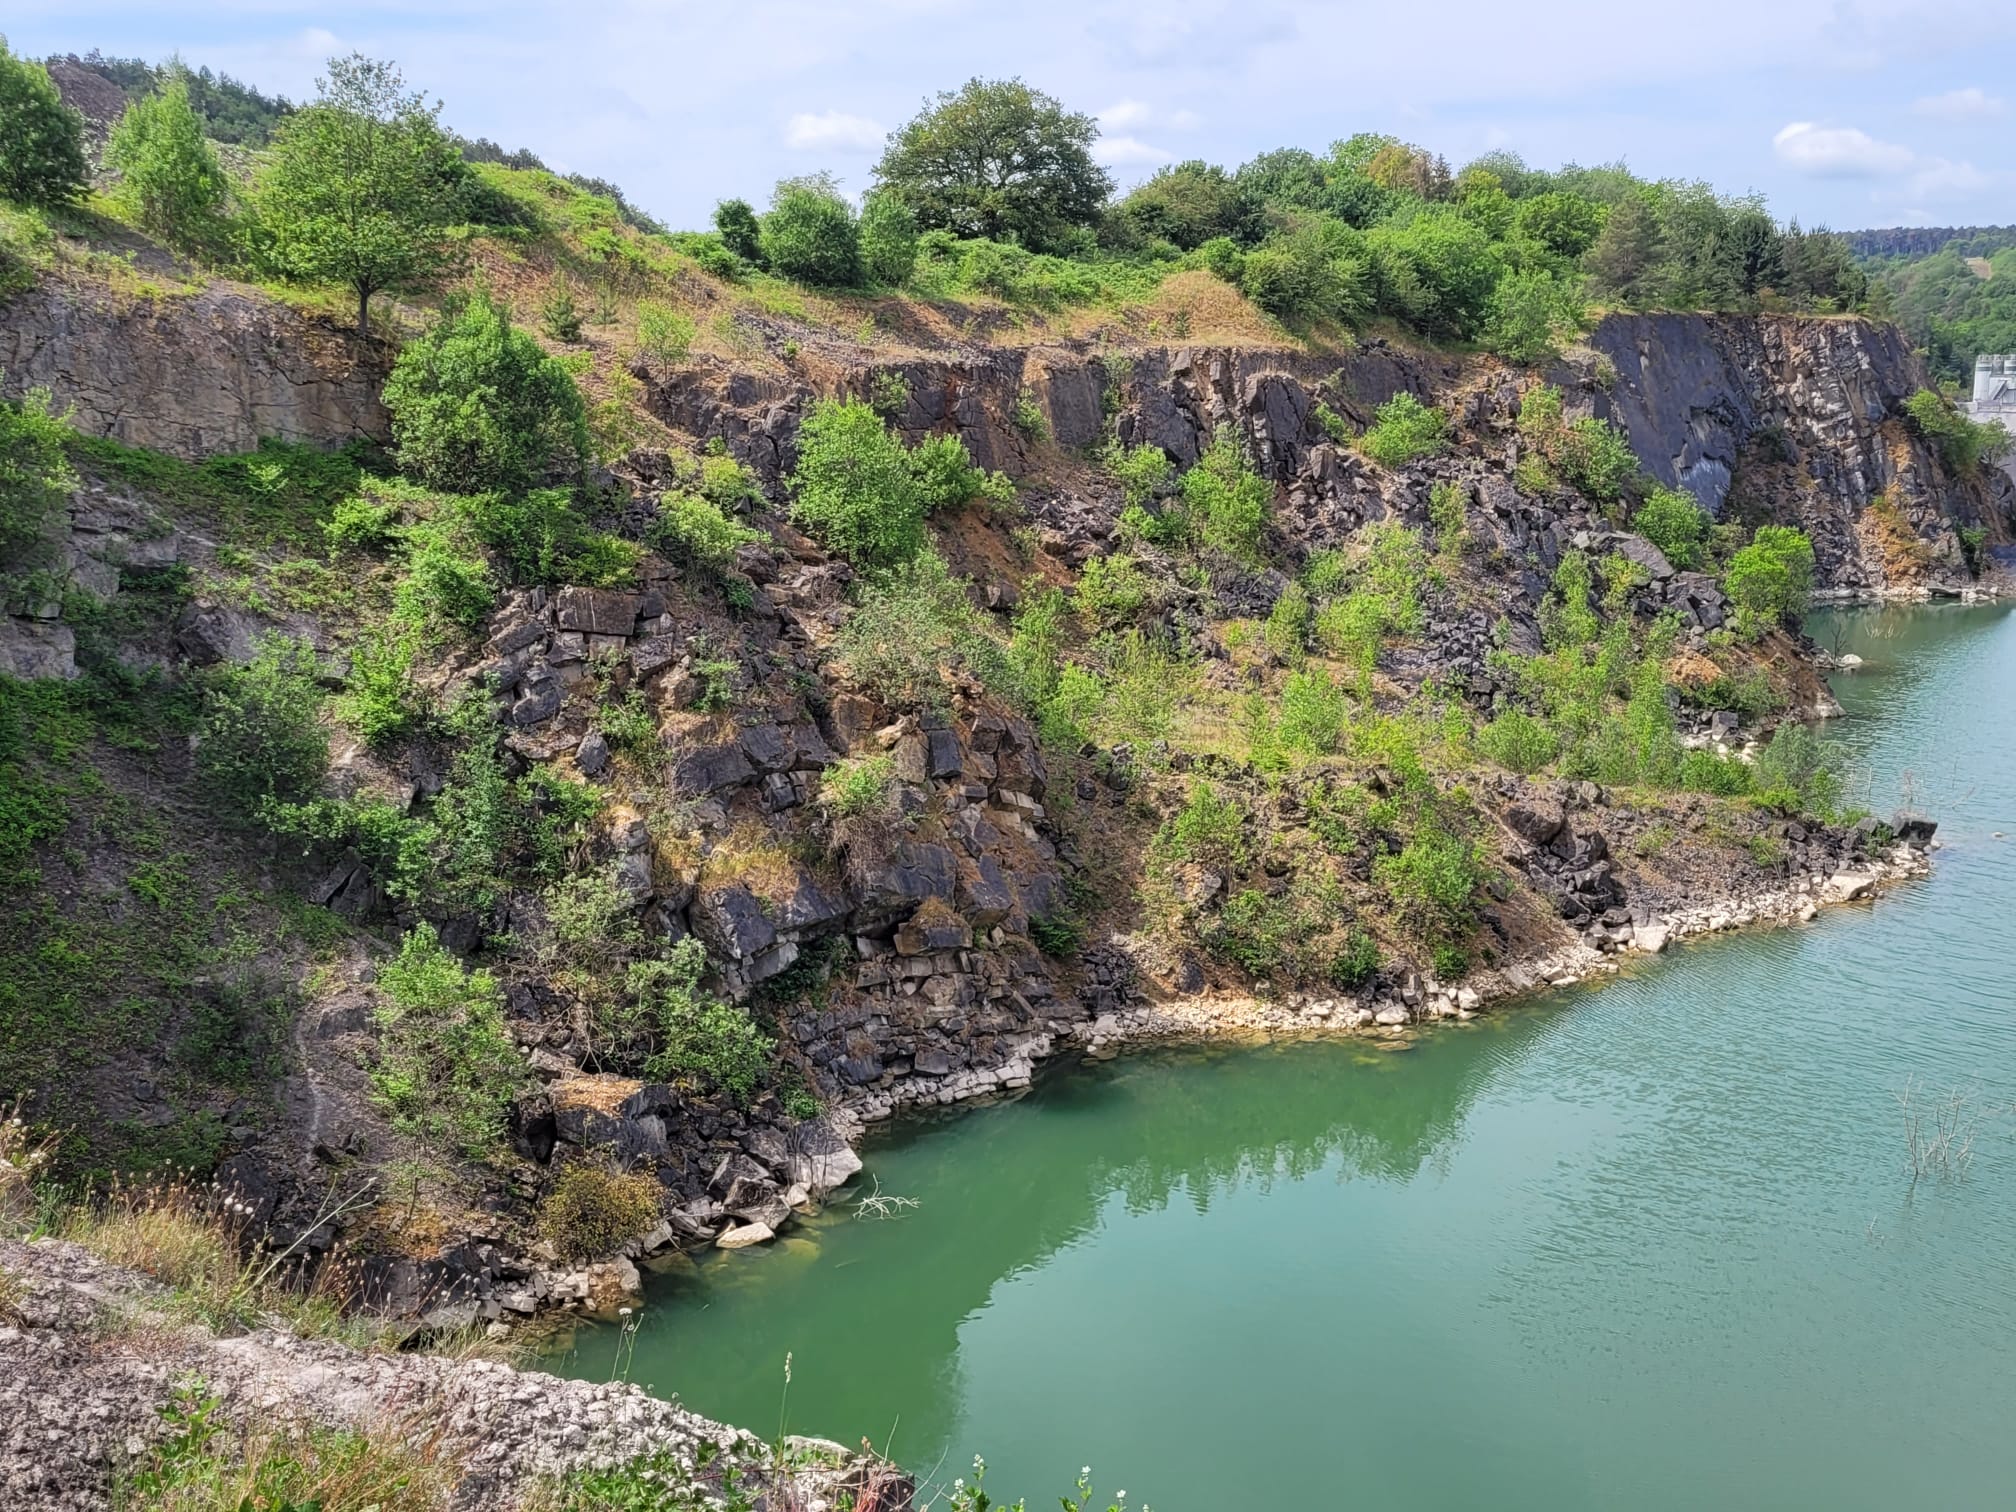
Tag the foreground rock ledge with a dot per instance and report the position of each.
(88, 1357)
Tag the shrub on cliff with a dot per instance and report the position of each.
(1770, 581)
(35, 480)
(1673, 522)
(169, 174)
(41, 138)
(913, 625)
(888, 240)
(696, 531)
(1226, 502)
(947, 478)
(854, 486)
(698, 1035)
(1964, 444)
(259, 740)
(478, 405)
(736, 224)
(1404, 428)
(446, 1069)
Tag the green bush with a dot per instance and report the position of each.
(1144, 471)
(1403, 429)
(35, 479)
(1226, 500)
(1289, 623)
(259, 740)
(1797, 771)
(1312, 714)
(947, 478)
(41, 138)
(1531, 311)
(1594, 457)
(560, 315)
(366, 521)
(1964, 444)
(664, 335)
(1770, 581)
(1208, 829)
(380, 702)
(593, 1211)
(854, 486)
(1434, 879)
(1678, 526)
(698, 1035)
(913, 625)
(857, 787)
(168, 172)
(810, 235)
(1111, 591)
(694, 530)
(477, 405)
(446, 1069)
(543, 539)
(1706, 772)
(1263, 935)
(735, 221)
(1356, 963)
(888, 240)
(444, 584)
(1518, 742)
(1446, 503)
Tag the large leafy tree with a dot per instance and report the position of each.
(1001, 160)
(810, 235)
(170, 174)
(363, 186)
(41, 138)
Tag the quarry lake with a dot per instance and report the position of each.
(1653, 1244)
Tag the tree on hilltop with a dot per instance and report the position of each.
(41, 138)
(1001, 160)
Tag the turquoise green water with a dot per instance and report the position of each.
(1652, 1245)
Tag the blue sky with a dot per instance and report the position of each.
(1848, 112)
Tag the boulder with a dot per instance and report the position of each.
(745, 1235)
(1914, 831)
(596, 611)
(709, 769)
(820, 1159)
(1845, 887)
(1535, 820)
(732, 922)
(1650, 938)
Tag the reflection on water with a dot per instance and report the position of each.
(1643, 1246)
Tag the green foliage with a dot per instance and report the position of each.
(169, 174)
(445, 584)
(1434, 879)
(1190, 205)
(999, 160)
(1384, 597)
(694, 530)
(1532, 309)
(740, 232)
(41, 139)
(947, 478)
(380, 702)
(593, 1211)
(1144, 472)
(1226, 501)
(1676, 524)
(1404, 429)
(1798, 772)
(560, 314)
(1518, 742)
(1964, 444)
(446, 1069)
(362, 186)
(913, 625)
(1312, 714)
(664, 335)
(888, 240)
(1567, 618)
(1289, 623)
(1261, 933)
(1590, 455)
(543, 539)
(1770, 581)
(478, 405)
(854, 486)
(1208, 829)
(1446, 503)
(1111, 591)
(1356, 963)
(810, 235)
(1029, 419)
(857, 787)
(366, 521)
(698, 1035)
(35, 481)
(1706, 772)
(259, 740)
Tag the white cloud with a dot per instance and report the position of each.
(1126, 151)
(1969, 104)
(1936, 178)
(1840, 152)
(1137, 113)
(833, 130)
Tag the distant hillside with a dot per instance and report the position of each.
(1923, 241)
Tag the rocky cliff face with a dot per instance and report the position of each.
(1799, 421)
(191, 375)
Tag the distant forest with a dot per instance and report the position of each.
(1952, 288)
(231, 111)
